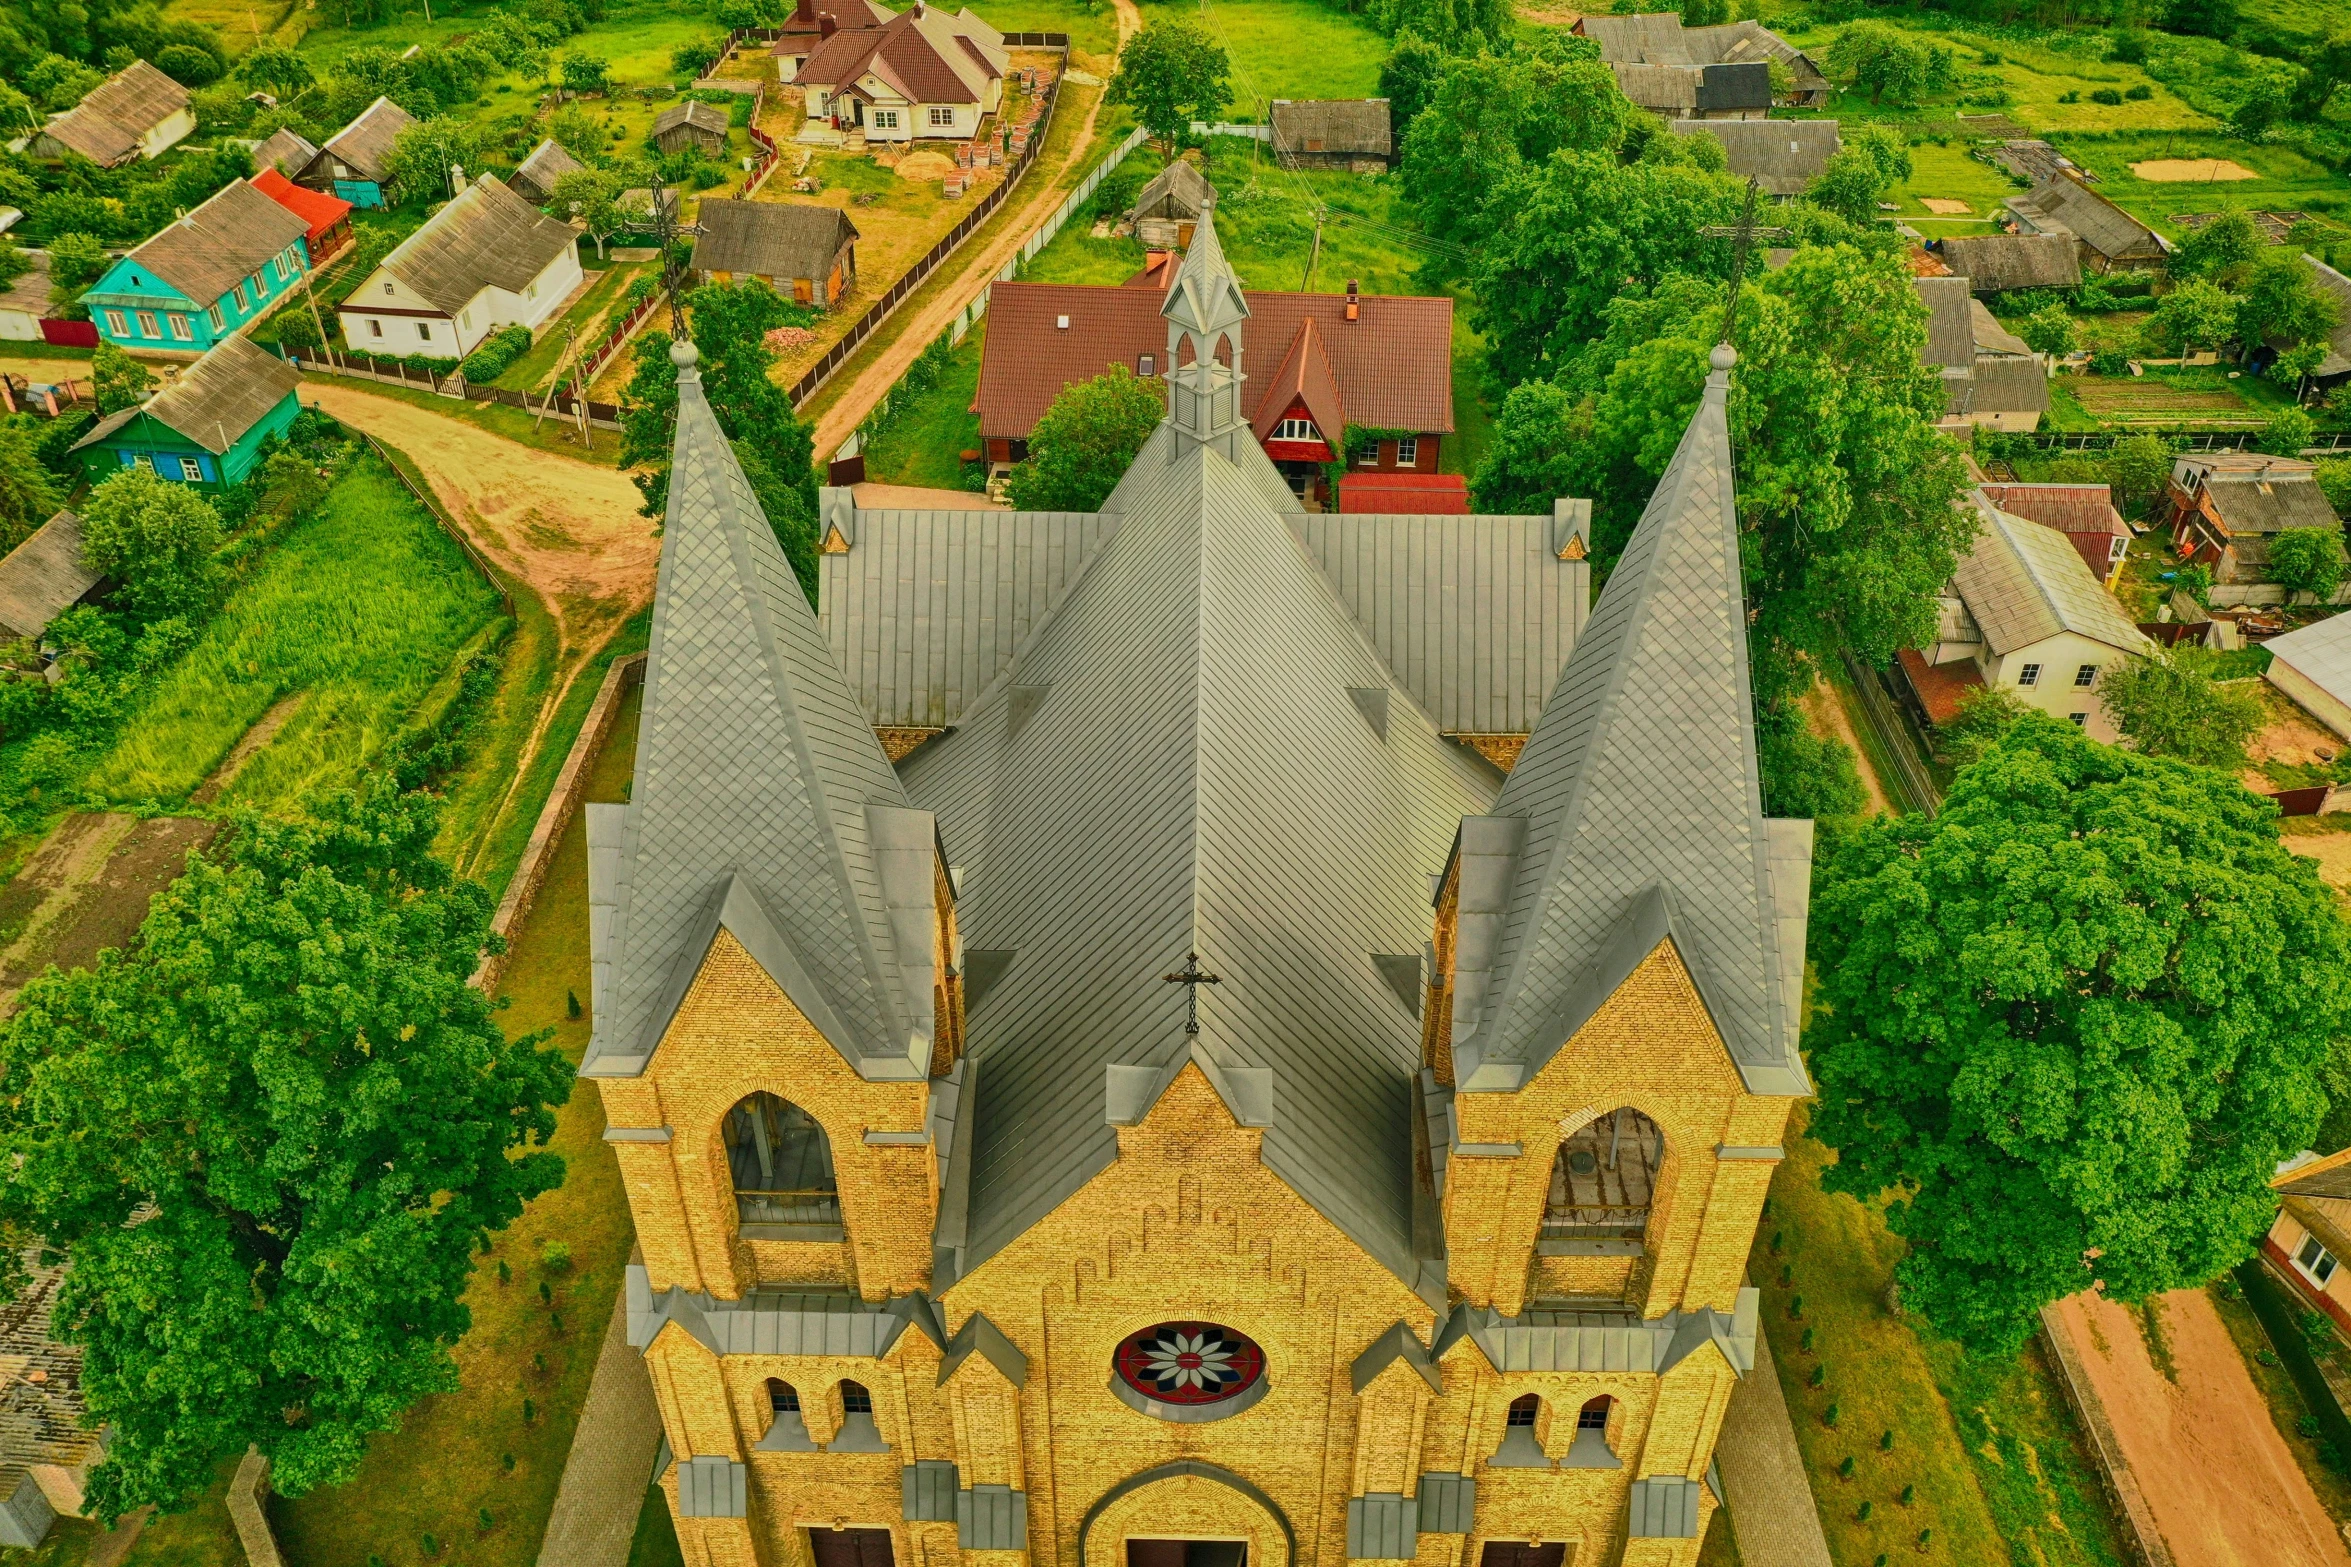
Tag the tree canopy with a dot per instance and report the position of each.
(2282, 302)
(29, 494)
(2308, 560)
(2169, 706)
(2071, 1023)
(1889, 62)
(156, 538)
(1085, 442)
(1172, 73)
(117, 381)
(270, 1138)
(2218, 250)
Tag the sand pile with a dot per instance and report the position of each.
(785, 339)
(925, 166)
(2192, 171)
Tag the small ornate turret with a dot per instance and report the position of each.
(1205, 308)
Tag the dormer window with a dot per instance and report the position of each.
(858, 1433)
(787, 1431)
(1590, 1449)
(1296, 430)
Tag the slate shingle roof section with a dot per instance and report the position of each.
(755, 774)
(2024, 583)
(1784, 155)
(697, 114)
(43, 576)
(486, 237)
(1639, 798)
(107, 124)
(2063, 203)
(215, 400)
(1996, 263)
(1357, 126)
(365, 143)
(773, 239)
(286, 151)
(535, 177)
(227, 238)
(1174, 764)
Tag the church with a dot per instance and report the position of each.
(1195, 1035)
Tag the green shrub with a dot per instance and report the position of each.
(2107, 96)
(501, 348)
(2069, 97)
(2140, 93)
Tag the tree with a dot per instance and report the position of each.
(583, 73)
(1887, 62)
(2197, 314)
(2167, 706)
(2136, 468)
(2051, 330)
(590, 197)
(2308, 560)
(2322, 73)
(2282, 302)
(2267, 86)
(2071, 1023)
(423, 154)
(579, 133)
(155, 538)
(187, 65)
(275, 68)
(1084, 443)
(695, 57)
(75, 262)
(1530, 462)
(29, 494)
(2289, 430)
(117, 380)
(1408, 80)
(1986, 714)
(1171, 73)
(2220, 250)
(2334, 479)
(1850, 184)
(271, 1137)
(1705, 13)
(1805, 774)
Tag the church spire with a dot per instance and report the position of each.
(1204, 309)
(1634, 813)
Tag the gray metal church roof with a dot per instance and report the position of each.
(762, 800)
(1634, 812)
(1198, 752)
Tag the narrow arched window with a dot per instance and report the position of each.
(1522, 1436)
(1590, 1449)
(786, 1431)
(858, 1433)
(781, 1165)
(1605, 1178)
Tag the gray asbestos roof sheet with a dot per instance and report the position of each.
(1173, 764)
(1638, 802)
(2025, 583)
(762, 799)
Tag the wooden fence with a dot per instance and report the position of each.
(18, 395)
(2196, 441)
(447, 524)
(601, 354)
(604, 416)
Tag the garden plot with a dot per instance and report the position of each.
(2125, 400)
(2192, 171)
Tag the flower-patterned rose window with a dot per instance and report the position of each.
(1188, 1371)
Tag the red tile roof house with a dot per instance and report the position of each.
(1372, 362)
(2084, 513)
(809, 26)
(922, 73)
(328, 217)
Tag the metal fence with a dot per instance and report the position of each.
(1911, 777)
(604, 416)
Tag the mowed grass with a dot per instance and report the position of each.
(1999, 1471)
(1290, 49)
(446, 1462)
(2289, 180)
(925, 440)
(362, 608)
(1948, 173)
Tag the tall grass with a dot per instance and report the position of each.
(361, 608)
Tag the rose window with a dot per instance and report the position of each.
(1189, 1371)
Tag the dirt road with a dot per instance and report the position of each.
(915, 331)
(1824, 712)
(2224, 1489)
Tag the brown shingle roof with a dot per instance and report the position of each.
(1999, 386)
(366, 142)
(215, 400)
(229, 237)
(2257, 503)
(1950, 332)
(106, 125)
(30, 292)
(802, 25)
(1995, 263)
(1393, 367)
(1332, 125)
(43, 576)
(486, 236)
(770, 238)
(924, 54)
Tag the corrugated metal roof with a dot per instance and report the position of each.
(535, 177)
(1990, 336)
(2338, 288)
(207, 252)
(215, 400)
(286, 151)
(2025, 583)
(1173, 764)
(486, 237)
(43, 576)
(1950, 331)
(757, 785)
(1638, 809)
(2067, 204)
(2321, 653)
(1784, 155)
(29, 291)
(2257, 503)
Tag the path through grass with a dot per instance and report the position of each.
(364, 605)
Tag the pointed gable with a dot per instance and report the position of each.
(1634, 815)
(1206, 299)
(1305, 378)
(762, 802)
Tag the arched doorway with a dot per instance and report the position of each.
(1186, 1514)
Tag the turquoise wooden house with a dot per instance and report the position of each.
(207, 426)
(199, 280)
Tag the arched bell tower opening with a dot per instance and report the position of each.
(1605, 1179)
(781, 1166)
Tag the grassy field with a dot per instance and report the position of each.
(363, 607)
(1947, 172)
(593, 314)
(1293, 49)
(2289, 181)
(1989, 1445)
(525, 1365)
(924, 441)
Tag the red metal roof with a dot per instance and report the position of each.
(2083, 512)
(1412, 494)
(315, 208)
(1939, 686)
(1392, 367)
(1304, 379)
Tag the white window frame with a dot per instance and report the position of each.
(1296, 430)
(219, 322)
(2122, 547)
(144, 460)
(116, 324)
(1407, 451)
(2029, 675)
(180, 328)
(147, 326)
(2317, 1269)
(885, 119)
(942, 116)
(1146, 364)
(191, 470)
(2078, 720)
(2085, 676)
(375, 328)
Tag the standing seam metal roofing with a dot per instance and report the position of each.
(1638, 786)
(1174, 764)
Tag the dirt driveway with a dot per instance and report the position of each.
(2224, 1489)
(914, 333)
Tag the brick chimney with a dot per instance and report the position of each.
(1354, 301)
(827, 24)
(804, 15)
(456, 179)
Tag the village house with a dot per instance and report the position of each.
(2311, 1235)
(1379, 365)
(40, 579)
(488, 259)
(1991, 377)
(1166, 209)
(285, 150)
(806, 252)
(2312, 665)
(534, 178)
(204, 277)
(698, 125)
(2084, 513)
(1703, 72)
(1124, 1129)
(2225, 509)
(24, 303)
(326, 219)
(2108, 239)
(807, 27)
(2002, 263)
(921, 74)
(1782, 156)
(355, 163)
(136, 113)
(2025, 614)
(47, 1448)
(2335, 369)
(206, 427)
(1334, 133)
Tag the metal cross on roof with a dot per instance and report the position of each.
(1746, 233)
(663, 222)
(1192, 976)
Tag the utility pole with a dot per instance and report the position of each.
(1313, 255)
(555, 382)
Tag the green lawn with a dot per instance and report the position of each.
(1091, 24)
(1292, 49)
(363, 607)
(925, 439)
(1989, 1445)
(524, 1366)
(656, 1544)
(588, 316)
(1947, 172)
(2289, 180)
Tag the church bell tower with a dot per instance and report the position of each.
(1206, 307)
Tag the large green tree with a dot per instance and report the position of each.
(1085, 442)
(155, 538)
(2308, 560)
(1886, 61)
(270, 1137)
(1172, 73)
(2070, 1024)
(2169, 705)
(117, 381)
(2219, 250)
(29, 494)
(2282, 302)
